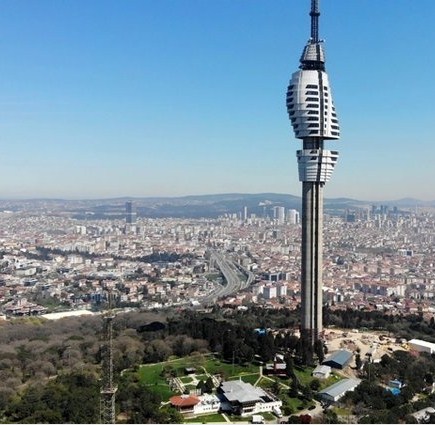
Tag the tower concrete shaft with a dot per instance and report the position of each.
(312, 251)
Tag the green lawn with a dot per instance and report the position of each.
(215, 366)
(150, 374)
(216, 417)
(186, 379)
(163, 390)
(268, 416)
(235, 418)
(265, 383)
(250, 378)
(304, 375)
(202, 377)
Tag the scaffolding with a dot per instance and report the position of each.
(108, 389)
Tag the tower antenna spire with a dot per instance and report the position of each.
(314, 13)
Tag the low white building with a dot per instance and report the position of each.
(244, 399)
(322, 372)
(423, 415)
(421, 346)
(208, 403)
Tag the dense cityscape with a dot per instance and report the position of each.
(375, 258)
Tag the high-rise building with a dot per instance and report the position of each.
(292, 217)
(130, 213)
(280, 214)
(245, 213)
(312, 114)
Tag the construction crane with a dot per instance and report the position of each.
(108, 389)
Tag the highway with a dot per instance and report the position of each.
(232, 273)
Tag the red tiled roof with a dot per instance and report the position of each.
(184, 401)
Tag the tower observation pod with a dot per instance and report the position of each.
(312, 114)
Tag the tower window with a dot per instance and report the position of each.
(312, 92)
(313, 119)
(313, 112)
(312, 105)
(311, 86)
(312, 99)
(314, 125)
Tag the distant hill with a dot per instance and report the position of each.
(193, 206)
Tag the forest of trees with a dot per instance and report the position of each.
(45, 364)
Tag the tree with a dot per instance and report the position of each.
(358, 361)
(201, 386)
(71, 398)
(209, 386)
(319, 350)
(315, 384)
(275, 388)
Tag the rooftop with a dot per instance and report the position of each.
(341, 387)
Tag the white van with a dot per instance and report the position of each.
(277, 412)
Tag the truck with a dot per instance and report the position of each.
(257, 419)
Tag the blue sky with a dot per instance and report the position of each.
(103, 98)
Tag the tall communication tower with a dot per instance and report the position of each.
(312, 114)
(108, 389)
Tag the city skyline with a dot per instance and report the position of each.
(147, 98)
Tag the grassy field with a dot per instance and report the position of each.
(304, 375)
(150, 376)
(215, 366)
(265, 383)
(250, 378)
(296, 404)
(216, 417)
